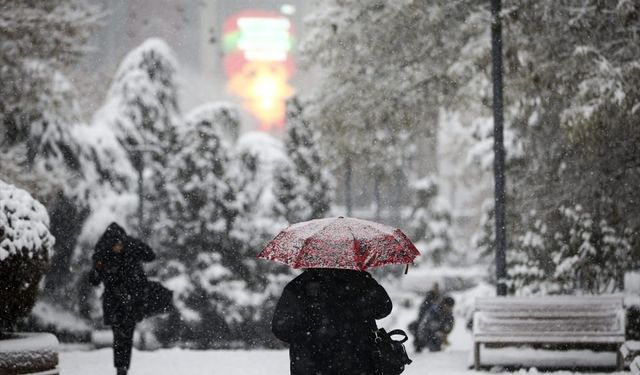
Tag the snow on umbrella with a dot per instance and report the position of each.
(342, 242)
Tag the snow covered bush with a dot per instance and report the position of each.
(578, 254)
(200, 212)
(589, 254)
(303, 188)
(25, 248)
(141, 111)
(430, 222)
(202, 200)
(39, 41)
(222, 208)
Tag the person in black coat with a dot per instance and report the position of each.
(118, 265)
(327, 316)
(432, 298)
(436, 325)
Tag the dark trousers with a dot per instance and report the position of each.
(122, 344)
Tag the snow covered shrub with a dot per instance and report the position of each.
(141, 110)
(39, 44)
(25, 248)
(580, 255)
(257, 158)
(589, 254)
(528, 263)
(430, 221)
(200, 191)
(222, 209)
(303, 188)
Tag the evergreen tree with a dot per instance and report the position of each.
(39, 40)
(202, 200)
(430, 222)
(142, 110)
(39, 114)
(304, 189)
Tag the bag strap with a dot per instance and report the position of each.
(401, 333)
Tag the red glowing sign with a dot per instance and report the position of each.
(258, 63)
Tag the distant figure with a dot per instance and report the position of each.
(118, 265)
(327, 317)
(435, 326)
(433, 297)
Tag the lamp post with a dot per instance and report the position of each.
(498, 147)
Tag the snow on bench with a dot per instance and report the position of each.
(629, 350)
(548, 320)
(635, 366)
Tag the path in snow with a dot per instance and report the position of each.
(453, 361)
(224, 362)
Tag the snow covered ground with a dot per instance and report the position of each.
(455, 360)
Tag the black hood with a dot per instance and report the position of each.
(114, 234)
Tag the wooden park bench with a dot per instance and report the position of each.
(577, 321)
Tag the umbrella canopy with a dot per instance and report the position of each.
(342, 242)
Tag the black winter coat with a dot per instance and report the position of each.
(123, 276)
(327, 316)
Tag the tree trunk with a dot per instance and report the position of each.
(376, 195)
(347, 187)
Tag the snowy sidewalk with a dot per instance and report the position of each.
(255, 362)
(456, 360)
(225, 362)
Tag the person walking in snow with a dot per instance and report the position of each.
(118, 262)
(436, 325)
(327, 317)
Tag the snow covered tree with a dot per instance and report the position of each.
(384, 76)
(39, 113)
(202, 200)
(589, 254)
(257, 158)
(304, 189)
(583, 254)
(141, 109)
(430, 222)
(222, 210)
(26, 245)
(570, 99)
(578, 83)
(38, 41)
(529, 262)
(200, 213)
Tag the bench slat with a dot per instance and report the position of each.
(504, 324)
(529, 339)
(556, 304)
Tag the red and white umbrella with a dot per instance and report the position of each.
(342, 242)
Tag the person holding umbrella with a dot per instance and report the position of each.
(327, 314)
(118, 265)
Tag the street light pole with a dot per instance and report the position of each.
(498, 147)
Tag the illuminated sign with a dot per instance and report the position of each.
(258, 63)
